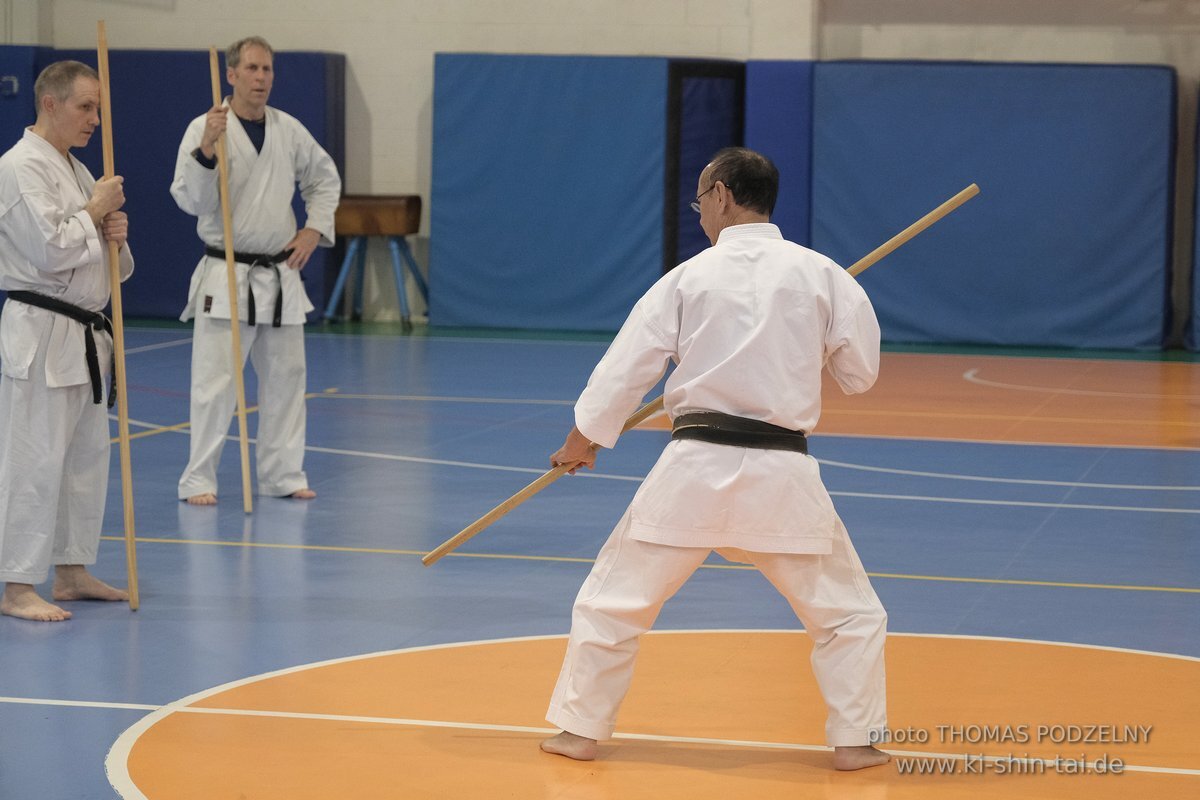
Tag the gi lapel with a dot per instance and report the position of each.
(243, 158)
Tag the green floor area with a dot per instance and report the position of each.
(367, 328)
(421, 329)
(1043, 352)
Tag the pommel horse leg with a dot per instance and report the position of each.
(391, 216)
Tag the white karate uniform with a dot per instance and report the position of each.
(261, 188)
(54, 440)
(750, 323)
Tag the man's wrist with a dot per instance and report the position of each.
(203, 160)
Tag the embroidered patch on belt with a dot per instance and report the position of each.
(207, 303)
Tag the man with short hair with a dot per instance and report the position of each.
(269, 152)
(750, 323)
(55, 349)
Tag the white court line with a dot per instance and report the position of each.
(448, 463)
(116, 764)
(638, 478)
(643, 737)
(161, 345)
(1021, 503)
(972, 376)
(137, 423)
(41, 701)
(1023, 481)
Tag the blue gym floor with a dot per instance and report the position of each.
(410, 438)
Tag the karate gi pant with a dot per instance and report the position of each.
(630, 582)
(54, 456)
(277, 355)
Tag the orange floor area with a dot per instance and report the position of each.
(462, 721)
(1033, 400)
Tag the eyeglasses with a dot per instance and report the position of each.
(696, 202)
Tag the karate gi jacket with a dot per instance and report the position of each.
(49, 245)
(750, 323)
(261, 188)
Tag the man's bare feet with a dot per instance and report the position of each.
(303, 494)
(74, 582)
(851, 758)
(205, 499)
(567, 744)
(21, 601)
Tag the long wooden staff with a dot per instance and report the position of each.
(118, 325)
(529, 491)
(654, 406)
(231, 279)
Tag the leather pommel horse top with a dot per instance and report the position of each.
(378, 215)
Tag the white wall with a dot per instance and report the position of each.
(390, 44)
(24, 22)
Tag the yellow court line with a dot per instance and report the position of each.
(168, 428)
(571, 560)
(1014, 582)
(182, 425)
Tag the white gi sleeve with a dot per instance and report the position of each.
(196, 188)
(320, 185)
(124, 261)
(852, 344)
(50, 239)
(635, 361)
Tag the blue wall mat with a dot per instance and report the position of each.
(149, 117)
(1069, 242)
(710, 118)
(17, 74)
(547, 200)
(779, 125)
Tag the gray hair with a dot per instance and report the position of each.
(233, 56)
(58, 80)
(751, 177)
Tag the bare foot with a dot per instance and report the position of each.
(851, 758)
(206, 499)
(567, 744)
(74, 582)
(21, 601)
(303, 494)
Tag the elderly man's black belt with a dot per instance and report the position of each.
(91, 320)
(718, 428)
(257, 260)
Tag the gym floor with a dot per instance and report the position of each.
(1031, 521)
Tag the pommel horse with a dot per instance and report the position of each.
(390, 216)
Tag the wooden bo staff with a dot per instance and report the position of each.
(655, 405)
(231, 279)
(529, 491)
(118, 325)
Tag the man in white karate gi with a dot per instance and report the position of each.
(55, 349)
(750, 322)
(269, 153)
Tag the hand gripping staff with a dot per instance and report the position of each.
(118, 325)
(654, 406)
